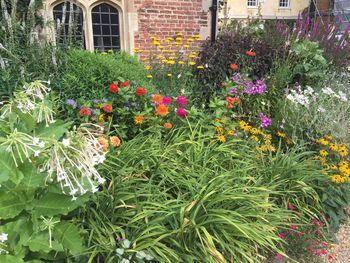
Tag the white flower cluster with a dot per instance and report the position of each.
(3, 238)
(340, 95)
(22, 145)
(72, 162)
(32, 100)
(306, 96)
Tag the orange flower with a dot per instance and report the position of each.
(250, 53)
(167, 125)
(102, 144)
(115, 141)
(139, 120)
(233, 66)
(231, 102)
(157, 99)
(162, 110)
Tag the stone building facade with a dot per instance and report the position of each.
(126, 24)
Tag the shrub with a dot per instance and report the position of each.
(87, 75)
(231, 47)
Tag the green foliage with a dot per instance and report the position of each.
(187, 198)
(87, 76)
(310, 63)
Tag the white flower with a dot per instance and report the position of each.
(327, 91)
(36, 141)
(65, 142)
(3, 237)
(342, 96)
(36, 153)
(321, 109)
(42, 144)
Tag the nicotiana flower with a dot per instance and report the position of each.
(3, 237)
(72, 162)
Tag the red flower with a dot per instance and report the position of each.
(84, 111)
(291, 207)
(124, 84)
(108, 108)
(292, 226)
(113, 88)
(281, 235)
(250, 53)
(233, 66)
(141, 92)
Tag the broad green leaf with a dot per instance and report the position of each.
(32, 178)
(55, 130)
(10, 259)
(7, 165)
(40, 242)
(68, 235)
(54, 204)
(11, 204)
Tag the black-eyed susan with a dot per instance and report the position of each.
(244, 126)
(333, 146)
(281, 134)
(200, 67)
(342, 150)
(231, 132)
(323, 153)
(221, 138)
(322, 141)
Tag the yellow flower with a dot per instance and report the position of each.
(255, 138)
(110, 51)
(268, 138)
(343, 163)
(153, 37)
(322, 141)
(334, 167)
(101, 118)
(220, 130)
(342, 150)
(148, 67)
(221, 138)
(244, 126)
(186, 46)
(179, 34)
(137, 50)
(164, 61)
(103, 53)
(328, 137)
(160, 47)
(192, 56)
(156, 43)
(281, 134)
(169, 74)
(337, 178)
(254, 131)
(200, 67)
(149, 76)
(290, 141)
(323, 153)
(177, 43)
(323, 160)
(181, 62)
(230, 132)
(192, 63)
(139, 120)
(333, 147)
(178, 39)
(190, 39)
(171, 62)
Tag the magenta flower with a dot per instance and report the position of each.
(265, 121)
(181, 112)
(181, 100)
(279, 256)
(291, 207)
(166, 100)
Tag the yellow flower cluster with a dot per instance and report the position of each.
(223, 131)
(339, 173)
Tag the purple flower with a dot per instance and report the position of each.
(71, 103)
(233, 91)
(181, 100)
(258, 88)
(265, 121)
(166, 100)
(96, 101)
(236, 77)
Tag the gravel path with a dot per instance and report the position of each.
(342, 249)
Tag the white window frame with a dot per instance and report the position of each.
(252, 3)
(284, 3)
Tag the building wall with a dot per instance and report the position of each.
(140, 19)
(269, 9)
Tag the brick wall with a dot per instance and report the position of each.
(165, 18)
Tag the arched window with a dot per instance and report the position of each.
(105, 24)
(68, 19)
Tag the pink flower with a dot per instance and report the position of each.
(299, 233)
(317, 253)
(181, 100)
(166, 100)
(279, 256)
(281, 235)
(181, 112)
(292, 226)
(291, 232)
(291, 207)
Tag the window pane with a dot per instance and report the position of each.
(105, 19)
